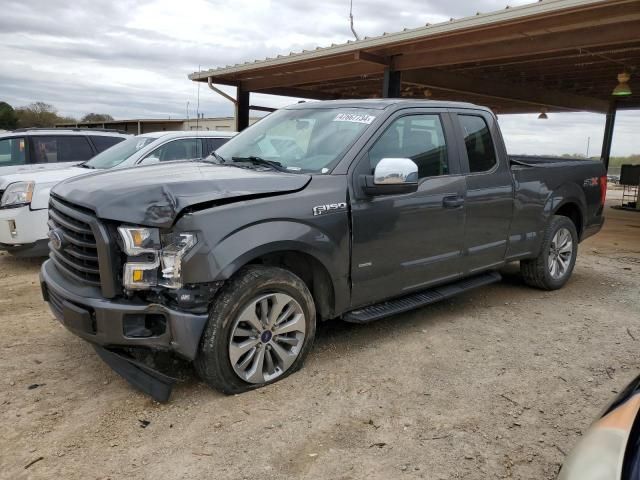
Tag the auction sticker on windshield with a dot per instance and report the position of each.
(355, 118)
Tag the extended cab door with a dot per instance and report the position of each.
(406, 242)
(489, 190)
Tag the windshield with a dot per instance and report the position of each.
(117, 154)
(299, 140)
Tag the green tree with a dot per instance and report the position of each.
(97, 117)
(618, 161)
(38, 114)
(8, 117)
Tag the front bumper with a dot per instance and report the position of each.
(22, 226)
(83, 311)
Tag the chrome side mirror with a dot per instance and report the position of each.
(391, 176)
(394, 171)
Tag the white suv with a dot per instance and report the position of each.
(24, 197)
(31, 149)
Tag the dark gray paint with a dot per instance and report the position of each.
(379, 247)
(156, 194)
(488, 203)
(182, 335)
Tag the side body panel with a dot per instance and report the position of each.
(238, 233)
(488, 202)
(403, 243)
(543, 190)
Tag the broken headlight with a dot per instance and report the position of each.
(154, 259)
(174, 247)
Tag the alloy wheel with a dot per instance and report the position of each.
(267, 337)
(560, 253)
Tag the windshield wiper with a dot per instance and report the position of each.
(218, 157)
(261, 161)
(85, 165)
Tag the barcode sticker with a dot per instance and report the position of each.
(355, 118)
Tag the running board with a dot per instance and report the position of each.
(420, 299)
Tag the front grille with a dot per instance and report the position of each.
(78, 256)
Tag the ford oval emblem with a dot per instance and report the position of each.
(56, 239)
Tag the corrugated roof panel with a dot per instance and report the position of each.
(387, 39)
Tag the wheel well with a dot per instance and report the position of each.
(311, 272)
(573, 213)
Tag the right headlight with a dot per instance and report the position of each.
(174, 247)
(154, 260)
(17, 194)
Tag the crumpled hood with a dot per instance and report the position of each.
(155, 195)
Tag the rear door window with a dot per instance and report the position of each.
(478, 142)
(50, 149)
(102, 142)
(12, 151)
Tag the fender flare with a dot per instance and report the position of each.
(221, 261)
(567, 193)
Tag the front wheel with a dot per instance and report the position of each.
(260, 329)
(553, 267)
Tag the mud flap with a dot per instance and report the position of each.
(140, 376)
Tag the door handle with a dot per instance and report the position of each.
(453, 201)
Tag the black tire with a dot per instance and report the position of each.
(536, 272)
(213, 364)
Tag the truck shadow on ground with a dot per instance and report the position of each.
(336, 337)
(27, 264)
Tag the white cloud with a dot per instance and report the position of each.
(131, 58)
(569, 133)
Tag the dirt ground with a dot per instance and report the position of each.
(498, 383)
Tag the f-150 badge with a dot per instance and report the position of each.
(331, 207)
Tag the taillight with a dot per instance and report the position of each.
(603, 189)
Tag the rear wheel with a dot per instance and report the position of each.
(553, 267)
(260, 330)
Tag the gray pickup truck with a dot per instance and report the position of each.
(342, 209)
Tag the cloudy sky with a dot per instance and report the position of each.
(131, 58)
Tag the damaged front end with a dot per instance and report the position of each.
(123, 288)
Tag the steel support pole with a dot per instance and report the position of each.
(608, 134)
(391, 84)
(242, 110)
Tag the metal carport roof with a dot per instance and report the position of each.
(555, 54)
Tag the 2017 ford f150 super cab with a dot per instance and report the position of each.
(351, 209)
